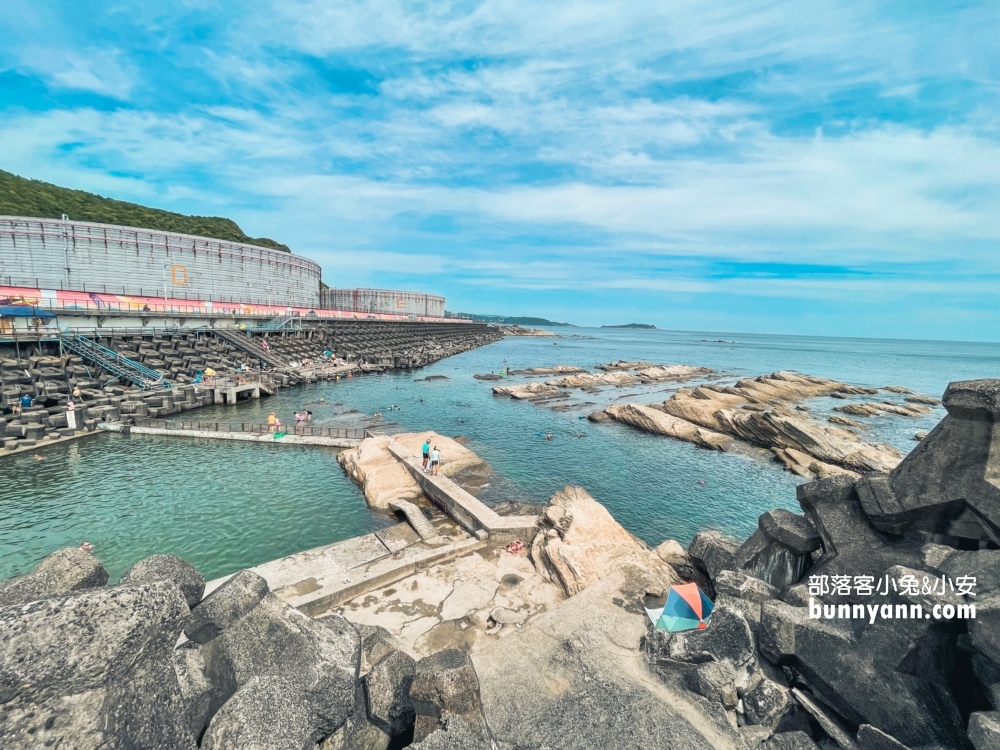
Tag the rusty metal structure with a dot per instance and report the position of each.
(380, 301)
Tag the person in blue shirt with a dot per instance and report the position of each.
(25, 401)
(426, 450)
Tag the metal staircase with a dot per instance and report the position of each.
(114, 363)
(245, 343)
(282, 322)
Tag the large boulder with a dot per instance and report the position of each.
(385, 479)
(790, 741)
(380, 475)
(873, 738)
(263, 713)
(657, 422)
(225, 606)
(65, 570)
(984, 730)
(876, 673)
(196, 689)
(456, 734)
(580, 543)
(376, 642)
(358, 732)
(169, 568)
(446, 685)
(728, 639)
(947, 484)
(715, 551)
(387, 690)
(850, 543)
(273, 648)
(94, 669)
(766, 703)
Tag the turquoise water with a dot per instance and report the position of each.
(224, 506)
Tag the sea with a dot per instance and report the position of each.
(227, 505)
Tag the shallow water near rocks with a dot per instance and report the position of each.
(225, 506)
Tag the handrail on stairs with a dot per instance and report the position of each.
(121, 367)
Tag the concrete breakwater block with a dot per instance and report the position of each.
(34, 431)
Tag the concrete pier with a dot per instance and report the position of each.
(247, 437)
(475, 517)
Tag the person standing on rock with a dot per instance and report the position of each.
(435, 461)
(425, 449)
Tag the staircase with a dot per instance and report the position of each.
(114, 363)
(282, 322)
(245, 343)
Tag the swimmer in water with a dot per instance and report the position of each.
(86, 546)
(38, 458)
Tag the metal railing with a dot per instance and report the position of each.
(246, 343)
(114, 363)
(249, 377)
(152, 302)
(252, 428)
(288, 320)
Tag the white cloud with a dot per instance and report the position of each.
(100, 71)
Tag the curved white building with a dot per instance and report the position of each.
(106, 259)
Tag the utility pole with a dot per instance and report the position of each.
(65, 219)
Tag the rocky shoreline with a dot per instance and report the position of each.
(856, 624)
(769, 412)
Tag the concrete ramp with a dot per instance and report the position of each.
(416, 517)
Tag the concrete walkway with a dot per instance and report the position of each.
(317, 580)
(247, 437)
(474, 516)
(41, 445)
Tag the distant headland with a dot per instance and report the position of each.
(644, 326)
(512, 320)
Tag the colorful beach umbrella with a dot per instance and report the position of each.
(686, 608)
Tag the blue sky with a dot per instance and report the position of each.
(817, 168)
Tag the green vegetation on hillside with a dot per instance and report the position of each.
(510, 320)
(23, 197)
(643, 326)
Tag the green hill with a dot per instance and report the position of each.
(511, 320)
(23, 197)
